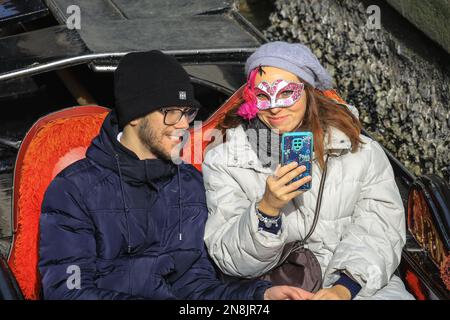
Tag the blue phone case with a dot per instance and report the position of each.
(298, 146)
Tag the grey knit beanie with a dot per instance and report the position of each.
(293, 57)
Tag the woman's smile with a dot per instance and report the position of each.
(277, 120)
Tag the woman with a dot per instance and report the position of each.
(255, 210)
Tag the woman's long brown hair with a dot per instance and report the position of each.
(321, 113)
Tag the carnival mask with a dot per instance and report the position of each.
(281, 94)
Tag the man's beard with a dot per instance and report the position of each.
(152, 140)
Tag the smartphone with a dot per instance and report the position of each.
(298, 147)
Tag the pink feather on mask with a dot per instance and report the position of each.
(248, 109)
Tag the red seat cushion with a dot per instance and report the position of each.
(52, 144)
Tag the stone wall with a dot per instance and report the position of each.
(429, 16)
(404, 101)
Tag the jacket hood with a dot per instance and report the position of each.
(108, 152)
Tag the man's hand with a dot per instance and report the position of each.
(287, 293)
(337, 292)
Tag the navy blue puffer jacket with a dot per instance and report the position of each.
(132, 228)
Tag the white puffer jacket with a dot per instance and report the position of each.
(361, 227)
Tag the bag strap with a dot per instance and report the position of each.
(319, 202)
(295, 245)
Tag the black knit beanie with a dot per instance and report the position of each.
(147, 81)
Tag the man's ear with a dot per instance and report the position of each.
(135, 122)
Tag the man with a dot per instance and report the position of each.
(126, 220)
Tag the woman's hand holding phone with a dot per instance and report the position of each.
(279, 189)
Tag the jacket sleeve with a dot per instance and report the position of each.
(371, 246)
(232, 236)
(68, 248)
(201, 282)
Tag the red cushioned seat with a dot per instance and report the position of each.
(53, 142)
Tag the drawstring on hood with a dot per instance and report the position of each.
(125, 206)
(180, 210)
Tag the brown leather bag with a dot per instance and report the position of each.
(297, 266)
